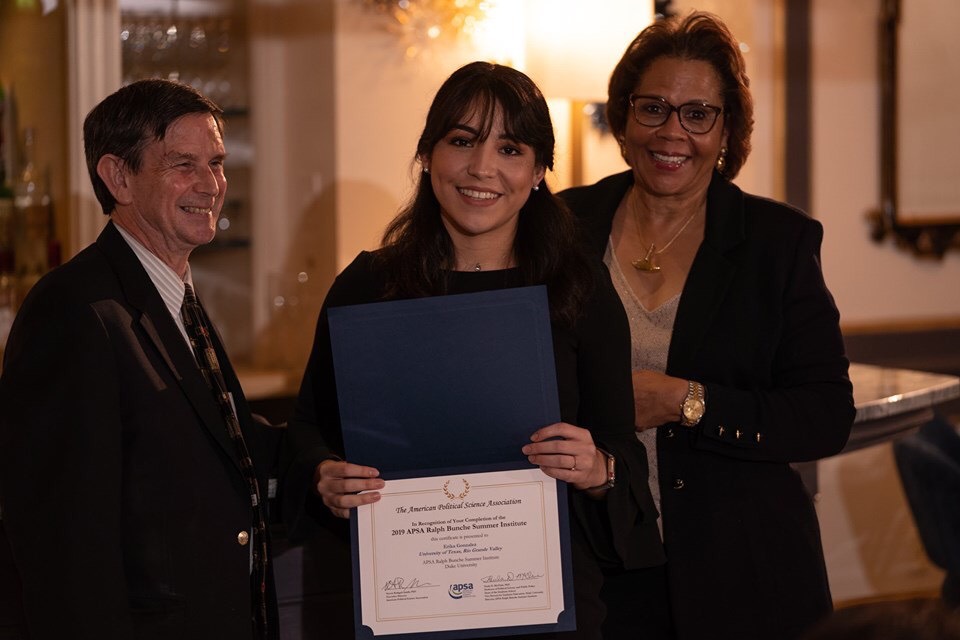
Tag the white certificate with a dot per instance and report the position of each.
(461, 551)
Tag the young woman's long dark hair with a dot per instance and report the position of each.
(418, 250)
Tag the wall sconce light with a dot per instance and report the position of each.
(572, 47)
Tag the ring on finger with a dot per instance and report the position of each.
(574, 467)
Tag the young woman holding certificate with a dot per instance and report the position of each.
(482, 218)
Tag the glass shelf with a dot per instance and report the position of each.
(204, 43)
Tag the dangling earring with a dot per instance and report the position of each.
(722, 160)
(426, 169)
(536, 187)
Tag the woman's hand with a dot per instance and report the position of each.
(566, 452)
(338, 482)
(656, 398)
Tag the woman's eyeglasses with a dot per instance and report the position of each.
(695, 117)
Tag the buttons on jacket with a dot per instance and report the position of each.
(738, 436)
(243, 538)
(678, 483)
(669, 433)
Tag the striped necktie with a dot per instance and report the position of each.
(198, 329)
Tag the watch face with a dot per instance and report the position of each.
(693, 410)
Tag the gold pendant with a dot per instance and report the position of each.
(646, 263)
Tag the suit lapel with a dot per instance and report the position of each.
(712, 270)
(710, 275)
(608, 195)
(163, 333)
(147, 325)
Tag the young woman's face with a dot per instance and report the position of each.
(482, 184)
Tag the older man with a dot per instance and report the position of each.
(132, 475)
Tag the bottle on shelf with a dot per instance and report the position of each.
(8, 291)
(54, 253)
(31, 203)
(8, 297)
(6, 224)
(6, 194)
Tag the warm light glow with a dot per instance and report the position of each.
(572, 46)
(425, 24)
(501, 36)
(569, 47)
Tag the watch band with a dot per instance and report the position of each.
(611, 472)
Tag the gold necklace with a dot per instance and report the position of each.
(647, 262)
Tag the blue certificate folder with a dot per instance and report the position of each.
(456, 382)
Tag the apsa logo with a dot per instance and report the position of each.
(457, 591)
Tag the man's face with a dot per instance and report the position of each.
(176, 197)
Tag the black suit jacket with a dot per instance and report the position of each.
(122, 494)
(757, 325)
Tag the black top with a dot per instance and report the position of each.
(595, 390)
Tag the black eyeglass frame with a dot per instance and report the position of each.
(717, 111)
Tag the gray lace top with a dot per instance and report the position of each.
(650, 332)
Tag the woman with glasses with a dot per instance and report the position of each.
(483, 218)
(738, 361)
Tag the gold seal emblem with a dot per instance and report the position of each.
(458, 496)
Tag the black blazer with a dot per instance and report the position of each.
(757, 325)
(122, 495)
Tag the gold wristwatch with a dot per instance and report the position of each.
(694, 405)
